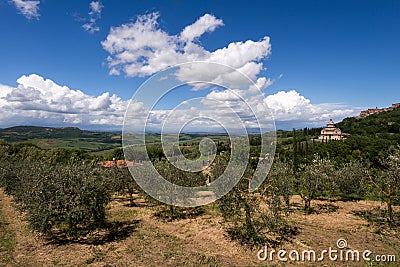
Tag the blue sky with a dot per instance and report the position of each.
(331, 57)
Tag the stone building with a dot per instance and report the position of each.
(331, 132)
(370, 111)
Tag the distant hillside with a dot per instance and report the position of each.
(24, 133)
(66, 137)
(385, 123)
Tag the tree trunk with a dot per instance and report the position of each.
(390, 209)
(249, 222)
(307, 204)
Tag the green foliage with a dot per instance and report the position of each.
(369, 140)
(67, 137)
(373, 125)
(25, 133)
(155, 152)
(70, 198)
(117, 153)
(388, 182)
(123, 183)
(190, 152)
(32, 153)
(182, 178)
(315, 179)
(351, 180)
(255, 140)
(254, 218)
(281, 180)
(58, 189)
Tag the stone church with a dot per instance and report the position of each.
(331, 132)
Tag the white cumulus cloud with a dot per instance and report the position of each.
(291, 108)
(206, 23)
(28, 8)
(41, 101)
(142, 48)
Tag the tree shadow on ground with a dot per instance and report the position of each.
(325, 208)
(378, 217)
(137, 202)
(316, 208)
(109, 232)
(178, 213)
(273, 237)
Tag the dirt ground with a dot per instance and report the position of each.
(140, 239)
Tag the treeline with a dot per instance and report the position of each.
(302, 147)
(369, 140)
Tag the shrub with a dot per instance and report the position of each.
(254, 218)
(351, 180)
(70, 198)
(388, 182)
(315, 178)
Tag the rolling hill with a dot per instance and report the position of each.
(385, 123)
(66, 137)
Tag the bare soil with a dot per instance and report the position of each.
(140, 239)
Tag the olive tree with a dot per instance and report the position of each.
(181, 178)
(71, 198)
(68, 198)
(351, 179)
(388, 181)
(282, 180)
(122, 182)
(254, 217)
(314, 179)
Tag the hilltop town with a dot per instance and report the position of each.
(370, 111)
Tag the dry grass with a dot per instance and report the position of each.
(7, 237)
(137, 238)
